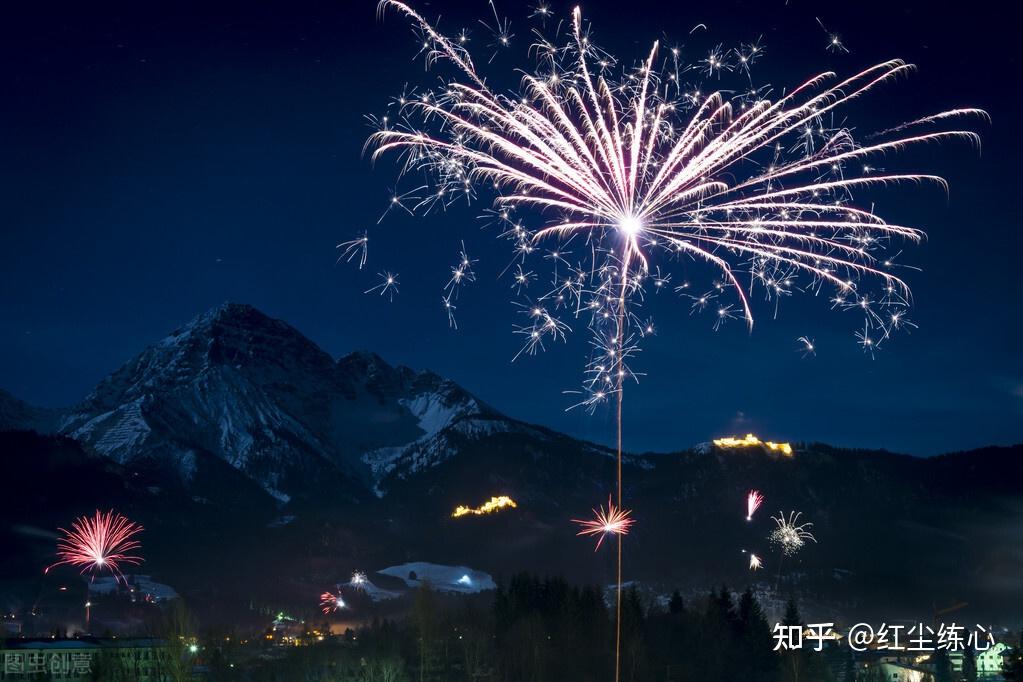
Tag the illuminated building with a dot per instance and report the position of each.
(751, 441)
(492, 505)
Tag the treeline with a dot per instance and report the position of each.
(537, 630)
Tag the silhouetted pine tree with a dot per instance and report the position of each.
(757, 660)
(969, 665)
(1012, 668)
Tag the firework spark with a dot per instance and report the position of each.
(358, 578)
(355, 247)
(755, 564)
(835, 43)
(492, 505)
(387, 286)
(102, 541)
(753, 501)
(332, 602)
(806, 346)
(614, 521)
(789, 534)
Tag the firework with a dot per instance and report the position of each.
(492, 505)
(835, 43)
(103, 541)
(332, 602)
(789, 534)
(387, 286)
(614, 521)
(355, 247)
(641, 169)
(755, 564)
(753, 501)
(358, 578)
(806, 346)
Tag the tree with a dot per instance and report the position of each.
(757, 660)
(1012, 667)
(793, 661)
(383, 669)
(792, 616)
(424, 619)
(969, 665)
(942, 666)
(675, 604)
(633, 635)
(177, 627)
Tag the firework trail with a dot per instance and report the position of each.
(102, 541)
(753, 501)
(755, 563)
(331, 602)
(636, 166)
(614, 521)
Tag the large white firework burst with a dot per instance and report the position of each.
(627, 170)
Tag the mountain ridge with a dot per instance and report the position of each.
(235, 415)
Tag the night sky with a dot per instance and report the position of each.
(160, 158)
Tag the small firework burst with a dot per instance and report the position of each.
(789, 534)
(103, 541)
(613, 521)
(332, 602)
(353, 248)
(358, 578)
(755, 564)
(807, 347)
(387, 286)
(753, 501)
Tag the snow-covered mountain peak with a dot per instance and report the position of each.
(237, 387)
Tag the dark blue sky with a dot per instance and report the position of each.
(158, 159)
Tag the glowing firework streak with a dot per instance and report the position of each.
(753, 501)
(357, 247)
(634, 166)
(614, 521)
(789, 534)
(103, 541)
(331, 602)
(750, 441)
(492, 505)
(755, 564)
(358, 578)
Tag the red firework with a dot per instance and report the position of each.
(331, 602)
(614, 521)
(753, 501)
(98, 542)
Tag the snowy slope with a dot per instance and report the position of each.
(457, 579)
(236, 387)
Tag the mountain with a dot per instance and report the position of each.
(17, 414)
(280, 460)
(236, 388)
